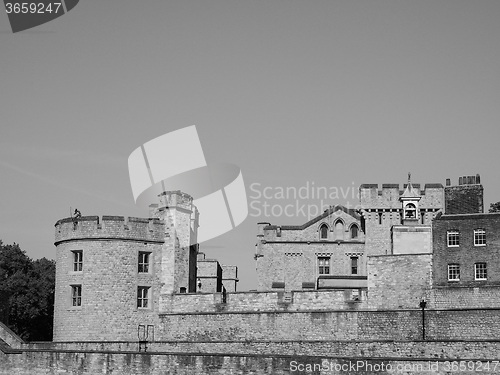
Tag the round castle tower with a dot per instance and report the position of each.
(111, 272)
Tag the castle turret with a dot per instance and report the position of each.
(178, 255)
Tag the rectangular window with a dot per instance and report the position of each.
(77, 260)
(354, 265)
(479, 237)
(143, 297)
(453, 272)
(143, 263)
(480, 271)
(76, 295)
(324, 266)
(453, 237)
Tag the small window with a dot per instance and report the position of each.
(380, 218)
(77, 260)
(479, 237)
(339, 230)
(453, 272)
(323, 232)
(480, 271)
(143, 297)
(324, 266)
(354, 231)
(76, 295)
(143, 264)
(453, 238)
(354, 265)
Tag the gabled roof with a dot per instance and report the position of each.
(332, 209)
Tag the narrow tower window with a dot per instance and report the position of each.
(143, 264)
(323, 232)
(354, 231)
(77, 260)
(76, 295)
(354, 265)
(143, 297)
(339, 230)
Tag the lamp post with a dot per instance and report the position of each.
(423, 304)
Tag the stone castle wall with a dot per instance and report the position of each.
(399, 281)
(363, 359)
(382, 209)
(109, 277)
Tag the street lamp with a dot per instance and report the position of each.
(423, 305)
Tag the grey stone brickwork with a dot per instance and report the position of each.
(288, 255)
(109, 277)
(382, 209)
(399, 281)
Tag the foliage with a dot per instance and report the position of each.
(494, 207)
(27, 291)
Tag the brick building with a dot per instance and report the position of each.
(466, 250)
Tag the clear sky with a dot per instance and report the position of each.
(296, 93)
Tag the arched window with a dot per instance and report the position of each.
(354, 231)
(339, 230)
(323, 232)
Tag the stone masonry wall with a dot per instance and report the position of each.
(48, 362)
(399, 281)
(473, 324)
(295, 263)
(109, 281)
(382, 209)
(258, 302)
(109, 277)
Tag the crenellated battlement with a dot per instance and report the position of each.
(109, 227)
(387, 197)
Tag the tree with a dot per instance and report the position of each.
(494, 207)
(27, 288)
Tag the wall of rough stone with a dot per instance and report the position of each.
(294, 263)
(399, 281)
(109, 282)
(109, 277)
(382, 209)
(259, 301)
(483, 349)
(83, 363)
(289, 254)
(331, 325)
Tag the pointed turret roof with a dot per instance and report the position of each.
(410, 192)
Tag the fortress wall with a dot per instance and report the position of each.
(52, 362)
(399, 281)
(258, 301)
(481, 324)
(88, 227)
(359, 349)
(109, 281)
